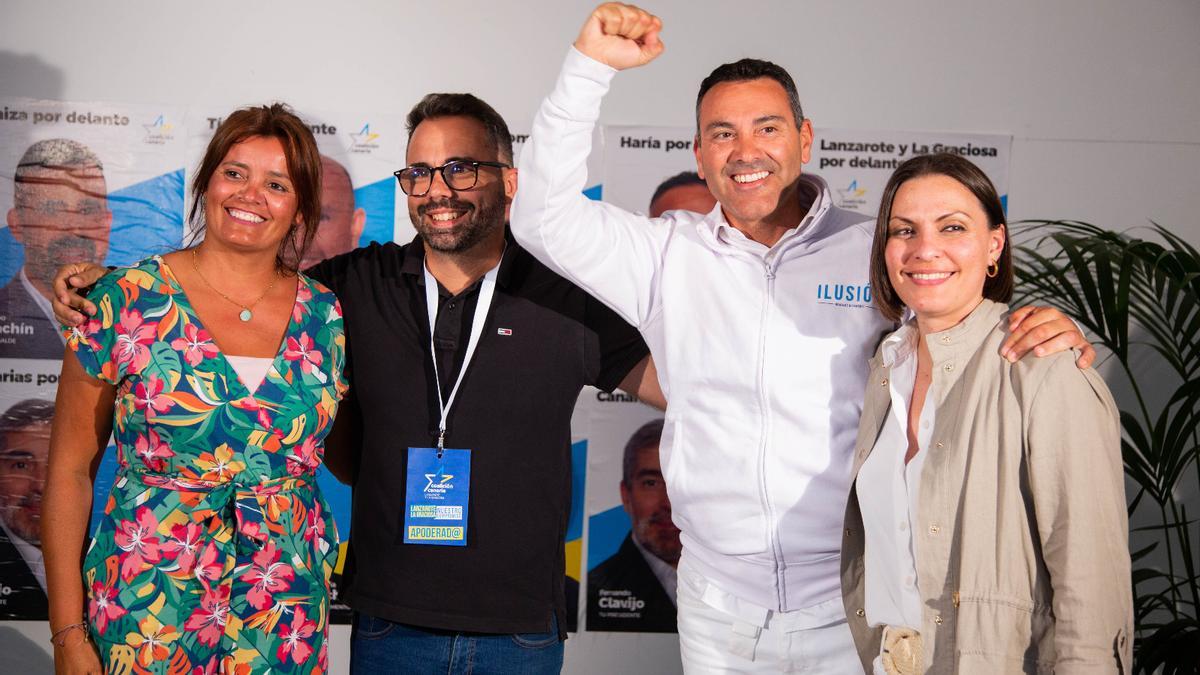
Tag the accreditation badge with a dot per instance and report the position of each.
(437, 490)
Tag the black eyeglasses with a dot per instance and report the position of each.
(460, 174)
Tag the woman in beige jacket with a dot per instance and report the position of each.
(986, 529)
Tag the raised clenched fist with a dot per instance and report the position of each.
(621, 36)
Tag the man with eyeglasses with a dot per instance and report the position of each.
(495, 380)
(59, 215)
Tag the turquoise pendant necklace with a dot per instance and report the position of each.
(247, 312)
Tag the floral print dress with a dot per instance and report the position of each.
(216, 547)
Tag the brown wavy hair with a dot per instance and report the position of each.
(304, 168)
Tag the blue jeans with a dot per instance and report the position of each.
(380, 646)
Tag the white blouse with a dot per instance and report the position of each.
(888, 493)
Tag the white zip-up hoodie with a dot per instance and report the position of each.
(762, 353)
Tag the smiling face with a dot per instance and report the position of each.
(749, 150)
(939, 246)
(645, 500)
(250, 203)
(455, 221)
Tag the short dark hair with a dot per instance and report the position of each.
(434, 106)
(647, 436)
(22, 414)
(303, 162)
(678, 180)
(751, 69)
(999, 287)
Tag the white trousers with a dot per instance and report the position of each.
(719, 633)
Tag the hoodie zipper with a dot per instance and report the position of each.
(765, 433)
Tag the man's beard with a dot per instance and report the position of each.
(479, 223)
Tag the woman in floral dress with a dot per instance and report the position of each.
(218, 370)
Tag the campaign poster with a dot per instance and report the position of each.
(856, 164)
(80, 181)
(633, 546)
(27, 388)
(359, 203)
(641, 163)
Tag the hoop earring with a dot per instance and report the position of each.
(992, 270)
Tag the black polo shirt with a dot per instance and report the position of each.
(544, 339)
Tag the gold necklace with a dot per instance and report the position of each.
(246, 314)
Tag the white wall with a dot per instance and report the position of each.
(1102, 96)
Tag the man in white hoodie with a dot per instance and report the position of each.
(760, 321)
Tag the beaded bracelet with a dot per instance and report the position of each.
(58, 639)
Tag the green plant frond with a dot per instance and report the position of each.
(1137, 499)
(1171, 269)
(1138, 455)
(1136, 438)
(1177, 306)
(1145, 268)
(1125, 281)
(1174, 648)
(1191, 580)
(1102, 295)
(1142, 553)
(1147, 573)
(1163, 339)
(1045, 282)
(1161, 528)
(1188, 252)
(1146, 603)
(1178, 421)
(1068, 301)
(1176, 362)
(1078, 262)
(1144, 477)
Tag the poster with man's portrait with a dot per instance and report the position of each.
(26, 412)
(633, 545)
(79, 182)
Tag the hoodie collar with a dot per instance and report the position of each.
(717, 230)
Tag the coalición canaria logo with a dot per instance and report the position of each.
(852, 196)
(158, 132)
(364, 140)
(844, 295)
(438, 481)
